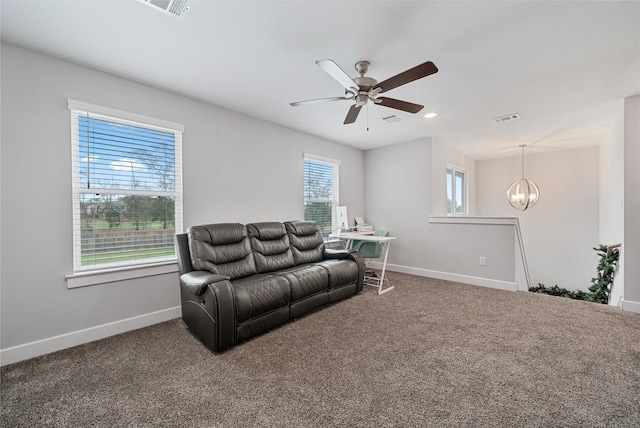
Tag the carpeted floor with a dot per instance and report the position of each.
(429, 353)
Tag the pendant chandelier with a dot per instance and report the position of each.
(523, 193)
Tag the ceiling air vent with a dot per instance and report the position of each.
(392, 119)
(177, 8)
(506, 118)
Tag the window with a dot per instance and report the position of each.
(456, 191)
(321, 191)
(127, 188)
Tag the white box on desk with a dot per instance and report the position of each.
(363, 227)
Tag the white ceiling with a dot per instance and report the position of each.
(563, 66)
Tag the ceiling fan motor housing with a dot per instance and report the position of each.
(364, 85)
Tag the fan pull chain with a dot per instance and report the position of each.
(367, 117)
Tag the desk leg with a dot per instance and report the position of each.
(384, 269)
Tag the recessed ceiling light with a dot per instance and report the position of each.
(431, 115)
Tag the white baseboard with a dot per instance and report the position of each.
(630, 306)
(67, 340)
(465, 279)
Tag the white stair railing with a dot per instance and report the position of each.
(523, 256)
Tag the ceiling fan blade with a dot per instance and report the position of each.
(332, 69)
(352, 115)
(318, 100)
(415, 73)
(399, 104)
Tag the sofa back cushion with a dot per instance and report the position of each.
(270, 244)
(307, 244)
(222, 248)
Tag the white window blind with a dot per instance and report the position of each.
(321, 191)
(127, 188)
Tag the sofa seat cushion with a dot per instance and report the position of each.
(341, 272)
(306, 281)
(260, 294)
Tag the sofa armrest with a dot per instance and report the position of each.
(208, 308)
(337, 254)
(350, 254)
(197, 280)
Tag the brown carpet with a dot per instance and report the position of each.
(429, 353)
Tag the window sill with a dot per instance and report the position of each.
(84, 279)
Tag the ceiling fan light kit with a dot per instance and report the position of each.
(363, 89)
(523, 193)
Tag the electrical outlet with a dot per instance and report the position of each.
(483, 261)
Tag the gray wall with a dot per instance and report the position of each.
(560, 231)
(403, 188)
(631, 248)
(399, 191)
(398, 198)
(612, 189)
(236, 169)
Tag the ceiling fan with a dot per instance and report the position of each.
(364, 89)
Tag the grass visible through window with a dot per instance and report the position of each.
(124, 256)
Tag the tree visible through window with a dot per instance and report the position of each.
(127, 191)
(320, 192)
(456, 191)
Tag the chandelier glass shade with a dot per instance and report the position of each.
(523, 193)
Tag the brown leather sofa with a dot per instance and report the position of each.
(237, 281)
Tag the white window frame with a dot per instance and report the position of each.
(335, 183)
(133, 269)
(465, 202)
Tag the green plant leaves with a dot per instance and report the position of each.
(600, 289)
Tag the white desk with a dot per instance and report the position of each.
(385, 241)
